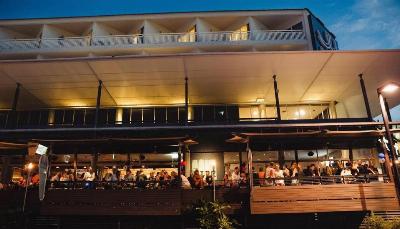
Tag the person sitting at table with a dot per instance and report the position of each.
(261, 176)
(89, 176)
(209, 178)
(235, 177)
(197, 179)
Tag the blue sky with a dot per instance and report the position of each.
(358, 24)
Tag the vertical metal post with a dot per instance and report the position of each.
(392, 150)
(351, 157)
(240, 159)
(12, 117)
(278, 108)
(96, 117)
(26, 189)
(365, 96)
(16, 97)
(296, 156)
(186, 101)
(250, 164)
(388, 110)
(179, 160)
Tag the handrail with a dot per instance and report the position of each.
(321, 180)
(132, 40)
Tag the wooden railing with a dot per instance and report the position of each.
(376, 196)
(135, 40)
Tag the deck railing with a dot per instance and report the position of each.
(135, 40)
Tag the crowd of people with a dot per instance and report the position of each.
(279, 175)
(270, 174)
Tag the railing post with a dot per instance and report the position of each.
(12, 119)
(278, 108)
(96, 118)
(365, 96)
(186, 100)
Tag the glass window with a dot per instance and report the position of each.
(172, 114)
(182, 114)
(68, 117)
(265, 156)
(208, 113)
(160, 115)
(307, 155)
(79, 117)
(148, 115)
(23, 118)
(220, 113)
(89, 116)
(360, 154)
(136, 115)
(126, 115)
(289, 155)
(3, 118)
(231, 157)
(233, 113)
(44, 117)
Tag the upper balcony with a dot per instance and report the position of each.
(155, 34)
(219, 40)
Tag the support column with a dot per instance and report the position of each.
(180, 160)
(351, 157)
(6, 170)
(388, 110)
(332, 110)
(188, 162)
(240, 159)
(278, 108)
(12, 118)
(76, 166)
(392, 154)
(96, 117)
(93, 163)
(250, 164)
(281, 157)
(296, 156)
(186, 100)
(364, 92)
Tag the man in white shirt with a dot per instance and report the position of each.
(89, 175)
(235, 177)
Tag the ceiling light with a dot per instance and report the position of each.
(174, 155)
(260, 100)
(389, 88)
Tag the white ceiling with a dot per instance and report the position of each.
(303, 76)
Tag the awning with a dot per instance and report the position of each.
(214, 78)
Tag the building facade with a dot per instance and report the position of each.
(181, 92)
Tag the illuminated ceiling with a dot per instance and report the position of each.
(303, 76)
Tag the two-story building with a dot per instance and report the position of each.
(206, 91)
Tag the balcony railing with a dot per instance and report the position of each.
(135, 40)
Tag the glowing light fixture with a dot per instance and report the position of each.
(260, 100)
(29, 166)
(389, 88)
(174, 155)
(300, 112)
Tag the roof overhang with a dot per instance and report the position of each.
(303, 77)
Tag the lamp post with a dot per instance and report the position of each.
(29, 167)
(389, 88)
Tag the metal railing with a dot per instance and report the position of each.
(134, 40)
(321, 180)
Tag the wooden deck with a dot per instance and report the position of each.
(324, 198)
